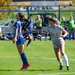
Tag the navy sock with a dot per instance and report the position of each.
(29, 41)
(24, 59)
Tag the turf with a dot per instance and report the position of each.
(40, 55)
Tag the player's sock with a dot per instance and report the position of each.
(66, 59)
(29, 41)
(60, 62)
(24, 59)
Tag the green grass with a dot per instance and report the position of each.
(40, 55)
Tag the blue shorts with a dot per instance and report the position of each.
(40, 27)
(20, 41)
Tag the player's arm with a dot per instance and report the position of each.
(40, 21)
(15, 36)
(42, 34)
(16, 33)
(65, 33)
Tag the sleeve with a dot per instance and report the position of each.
(16, 25)
(61, 28)
(47, 29)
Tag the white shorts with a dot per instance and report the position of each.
(57, 44)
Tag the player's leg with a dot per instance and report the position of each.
(46, 37)
(30, 37)
(57, 53)
(69, 35)
(36, 33)
(23, 56)
(40, 32)
(73, 36)
(62, 49)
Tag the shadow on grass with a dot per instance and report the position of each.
(24, 70)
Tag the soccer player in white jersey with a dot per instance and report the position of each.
(58, 41)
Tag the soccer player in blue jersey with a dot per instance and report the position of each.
(30, 27)
(19, 40)
(27, 29)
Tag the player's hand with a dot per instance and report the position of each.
(62, 36)
(14, 40)
(34, 27)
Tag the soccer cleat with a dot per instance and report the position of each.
(28, 45)
(61, 67)
(24, 67)
(68, 67)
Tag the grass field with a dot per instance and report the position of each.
(40, 55)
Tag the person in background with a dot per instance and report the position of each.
(19, 40)
(71, 28)
(58, 42)
(38, 23)
(30, 31)
(27, 29)
(4, 37)
(46, 36)
(64, 25)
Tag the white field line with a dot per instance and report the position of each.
(73, 73)
(31, 57)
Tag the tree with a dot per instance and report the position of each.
(5, 5)
(73, 1)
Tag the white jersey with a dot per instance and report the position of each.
(55, 33)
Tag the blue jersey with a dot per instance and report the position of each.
(30, 27)
(20, 38)
(18, 25)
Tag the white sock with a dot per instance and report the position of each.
(60, 62)
(66, 59)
